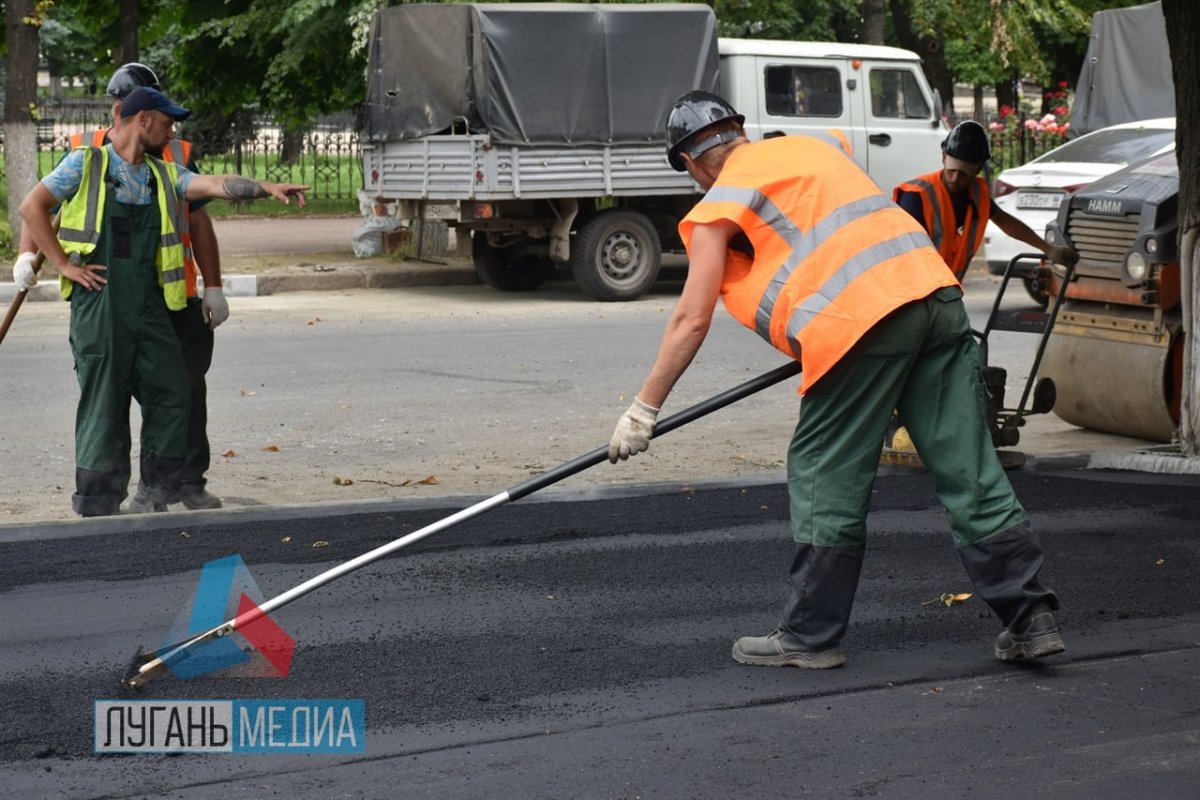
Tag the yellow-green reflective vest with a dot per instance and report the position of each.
(81, 215)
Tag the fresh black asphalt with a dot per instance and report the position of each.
(568, 646)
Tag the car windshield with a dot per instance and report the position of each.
(1112, 147)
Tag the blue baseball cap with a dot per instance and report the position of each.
(147, 99)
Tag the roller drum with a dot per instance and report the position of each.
(1115, 374)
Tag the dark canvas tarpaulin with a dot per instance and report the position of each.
(1126, 73)
(536, 73)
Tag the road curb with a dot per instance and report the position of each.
(321, 277)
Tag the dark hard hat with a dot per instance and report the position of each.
(129, 77)
(688, 117)
(968, 142)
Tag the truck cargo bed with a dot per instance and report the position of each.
(455, 167)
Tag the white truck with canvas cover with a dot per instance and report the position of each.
(537, 130)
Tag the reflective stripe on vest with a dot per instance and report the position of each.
(177, 151)
(98, 137)
(957, 249)
(80, 235)
(833, 137)
(832, 255)
(170, 242)
(80, 230)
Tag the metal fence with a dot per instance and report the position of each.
(328, 158)
(1020, 139)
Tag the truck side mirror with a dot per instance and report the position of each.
(939, 110)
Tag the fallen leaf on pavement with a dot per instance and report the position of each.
(948, 599)
(429, 481)
(229, 454)
(320, 543)
(271, 448)
(343, 481)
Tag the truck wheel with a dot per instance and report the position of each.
(616, 255)
(509, 269)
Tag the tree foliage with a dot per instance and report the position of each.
(296, 59)
(293, 60)
(814, 20)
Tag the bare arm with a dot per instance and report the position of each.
(236, 187)
(1018, 230)
(692, 316)
(27, 244)
(35, 215)
(205, 248)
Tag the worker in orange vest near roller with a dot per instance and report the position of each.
(953, 204)
(806, 251)
(193, 324)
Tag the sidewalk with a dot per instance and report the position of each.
(269, 255)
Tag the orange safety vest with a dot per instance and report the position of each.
(832, 254)
(956, 245)
(178, 151)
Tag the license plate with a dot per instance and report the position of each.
(1048, 200)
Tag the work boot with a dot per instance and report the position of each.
(197, 499)
(1005, 570)
(781, 649)
(141, 503)
(1034, 637)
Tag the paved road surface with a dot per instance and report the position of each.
(580, 648)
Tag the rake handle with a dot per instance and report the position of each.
(678, 420)
(171, 653)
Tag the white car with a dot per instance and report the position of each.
(1032, 192)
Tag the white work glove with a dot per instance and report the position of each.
(23, 273)
(633, 432)
(1062, 254)
(215, 307)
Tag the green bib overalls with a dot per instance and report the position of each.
(124, 347)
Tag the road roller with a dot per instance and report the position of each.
(1115, 354)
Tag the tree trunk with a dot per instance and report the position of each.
(929, 47)
(874, 15)
(20, 99)
(291, 147)
(1183, 20)
(127, 27)
(980, 112)
(1006, 94)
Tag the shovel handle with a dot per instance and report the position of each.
(15, 305)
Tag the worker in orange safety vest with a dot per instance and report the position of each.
(954, 205)
(806, 251)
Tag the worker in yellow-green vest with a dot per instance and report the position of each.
(119, 256)
(205, 311)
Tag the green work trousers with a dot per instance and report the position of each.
(124, 347)
(922, 360)
(196, 341)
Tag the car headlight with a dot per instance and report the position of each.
(1135, 266)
